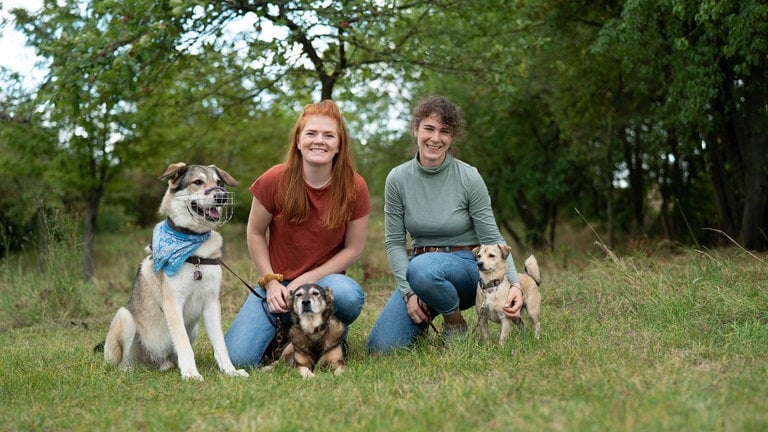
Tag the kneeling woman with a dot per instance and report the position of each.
(315, 208)
(443, 203)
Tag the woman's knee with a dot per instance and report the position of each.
(420, 276)
(249, 333)
(393, 328)
(348, 296)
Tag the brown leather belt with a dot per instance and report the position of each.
(424, 249)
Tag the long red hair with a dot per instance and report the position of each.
(342, 186)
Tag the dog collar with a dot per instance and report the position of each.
(197, 262)
(172, 225)
(491, 284)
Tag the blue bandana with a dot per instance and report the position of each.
(171, 248)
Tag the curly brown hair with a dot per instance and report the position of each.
(450, 114)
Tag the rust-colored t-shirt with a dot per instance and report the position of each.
(297, 248)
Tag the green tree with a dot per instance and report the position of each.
(88, 97)
(701, 69)
(526, 64)
(118, 69)
(27, 149)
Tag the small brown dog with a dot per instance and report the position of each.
(493, 288)
(315, 335)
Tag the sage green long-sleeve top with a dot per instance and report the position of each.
(448, 205)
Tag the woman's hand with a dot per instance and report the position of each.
(418, 310)
(276, 295)
(514, 302)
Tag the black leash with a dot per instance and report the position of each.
(250, 288)
(278, 322)
(431, 324)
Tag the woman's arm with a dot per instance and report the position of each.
(395, 235)
(256, 237)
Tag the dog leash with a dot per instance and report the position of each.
(279, 333)
(250, 288)
(431, 324)
(278, 322)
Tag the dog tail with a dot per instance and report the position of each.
(113, 350)
(532, 269)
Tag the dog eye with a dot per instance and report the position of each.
(198, 182)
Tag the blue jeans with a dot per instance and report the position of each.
(254, 327)
(445, 281)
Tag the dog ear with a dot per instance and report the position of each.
(505, 250)
(225, 177)
(328, 293)
(174, 171)
(329, 302)
(475, 251)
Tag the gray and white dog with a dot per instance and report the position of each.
(179, 282)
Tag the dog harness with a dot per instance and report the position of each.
(171, 248)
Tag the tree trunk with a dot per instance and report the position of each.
(724, 163)
(534, 220)
(633, 159)
(43, 235)
(510, 230)
(89, 229)
(754, 148)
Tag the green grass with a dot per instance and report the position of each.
(675, 341)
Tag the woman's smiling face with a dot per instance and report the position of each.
(434, 139)
(319, 140)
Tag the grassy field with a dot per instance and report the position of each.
(666, 340)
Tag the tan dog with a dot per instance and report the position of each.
(178, 284)
(493, 288)
(316, 335)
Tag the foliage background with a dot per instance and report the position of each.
(646, 117)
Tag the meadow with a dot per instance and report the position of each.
(665, 338)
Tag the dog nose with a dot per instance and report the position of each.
(305, 302)
(219, 194)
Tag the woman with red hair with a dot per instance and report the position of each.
(308, 223)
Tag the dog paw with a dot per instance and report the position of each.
(237, 373)
(306, 373)
(187, 376)
(339, 370)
